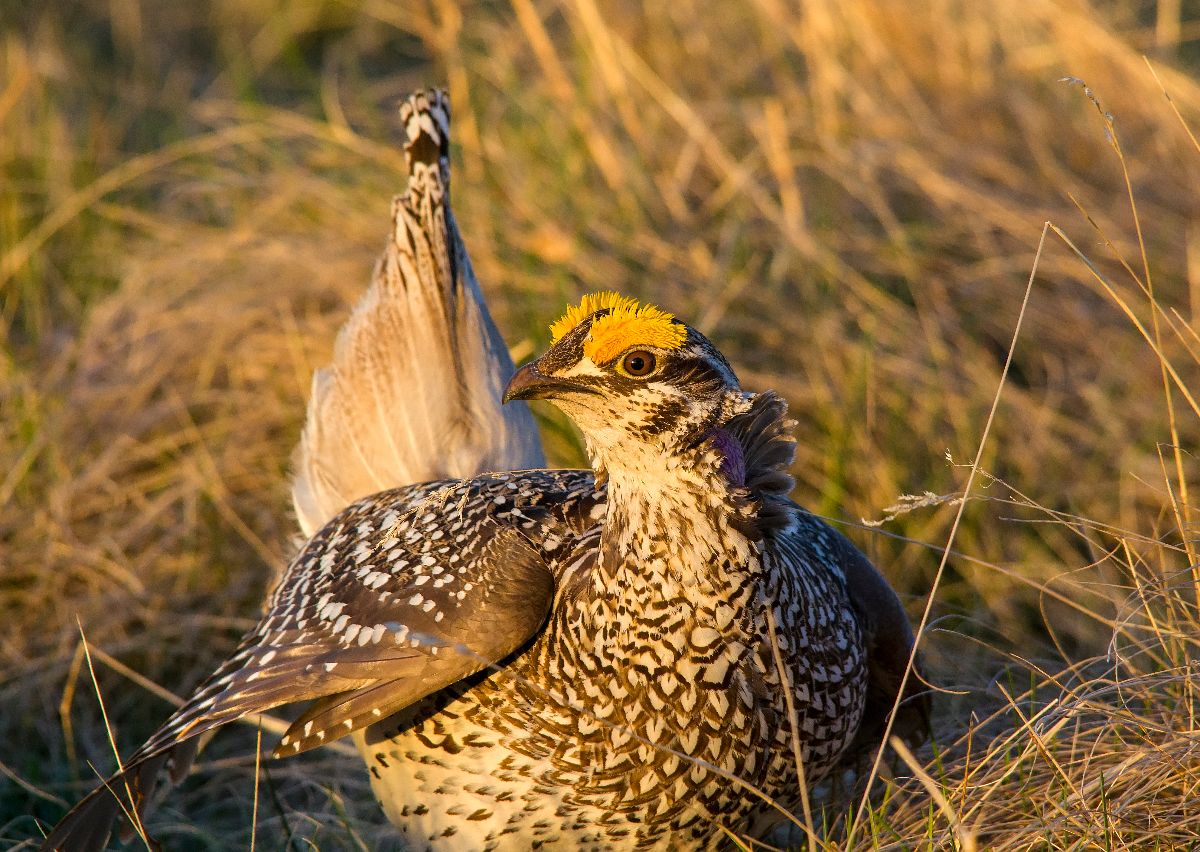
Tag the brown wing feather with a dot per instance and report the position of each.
(510, 610)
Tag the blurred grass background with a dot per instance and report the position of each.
(845, 194)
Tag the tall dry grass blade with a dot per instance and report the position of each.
(1042, 588)
(940, 573)
(1146, 609)
(738, 842)
(1181, 480)
(1039, 738)
(1184, 331)
(130, 809)
(1133, 318)
(257, 774)
(785, 681)
(599, 145)
(18, 83)
(21, 468)
(1182, 523)
(64, 704)
(601, 34)
(964, 835)
(1187, 128)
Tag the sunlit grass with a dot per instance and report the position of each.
(847, 198)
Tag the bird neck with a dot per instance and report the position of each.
(683, 515)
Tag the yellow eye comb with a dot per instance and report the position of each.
(626, 324)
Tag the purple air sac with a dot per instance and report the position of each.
(733, 462)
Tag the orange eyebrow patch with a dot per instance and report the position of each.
(628, 323)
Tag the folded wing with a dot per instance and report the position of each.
(376, 612)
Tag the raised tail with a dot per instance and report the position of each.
(414, 390)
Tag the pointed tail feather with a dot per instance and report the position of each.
(234, 690)
(414, 389)
(129, 794)
(90, 823)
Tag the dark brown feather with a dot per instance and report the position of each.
(768, 448)
(889, 641)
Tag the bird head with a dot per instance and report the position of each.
(638, 383)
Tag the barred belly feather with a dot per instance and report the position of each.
(653, 684)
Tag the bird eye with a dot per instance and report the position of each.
(638, 363)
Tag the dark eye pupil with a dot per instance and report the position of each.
(639, 363)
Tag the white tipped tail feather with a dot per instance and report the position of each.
(414, 389)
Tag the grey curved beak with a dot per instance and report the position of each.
(531, 383)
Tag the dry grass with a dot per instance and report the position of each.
(847, 198)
